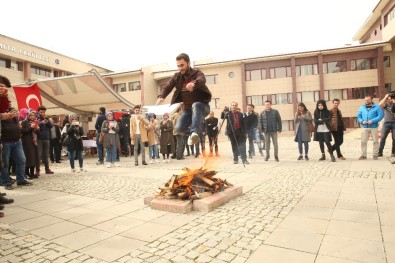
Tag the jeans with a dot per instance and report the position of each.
(43, 149)
(192, 117)
(301, 143)
(272, 135)
(72, 154)
(387, 127)
(153, 151)
(14, 150)
(99, 148)
(253, 137)
(111, 153)
(180, 146)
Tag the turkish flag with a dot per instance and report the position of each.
(28, 97)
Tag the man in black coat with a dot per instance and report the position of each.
(236, 131)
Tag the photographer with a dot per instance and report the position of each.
(388, 105)
(43, 138)
(237, 132)
(75, 147)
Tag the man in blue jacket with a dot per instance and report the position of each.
(369, 115)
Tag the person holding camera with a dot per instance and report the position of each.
(236, 131)
(111, 142)
(75, 147)
(387, 103)
(369, 115)
(43, 138)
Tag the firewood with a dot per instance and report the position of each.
(206, 180)
(173, 179)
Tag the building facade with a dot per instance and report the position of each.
(348, 73)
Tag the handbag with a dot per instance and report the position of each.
(311, 126)
(66, 141)
(101, 138)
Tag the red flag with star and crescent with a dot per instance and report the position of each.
(28, 97)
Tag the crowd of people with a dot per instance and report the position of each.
(31, 139)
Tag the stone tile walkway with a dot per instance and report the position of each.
(291, 211)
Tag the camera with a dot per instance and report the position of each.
(391, 95)
(226, 109)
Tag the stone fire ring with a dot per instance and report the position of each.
(205, 204)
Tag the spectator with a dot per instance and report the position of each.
(75, 147)
(369, 116)
(302, 119)
(389, 124)
(322, 120)
(153, 132)
(44, 137)
(212, 133)
(337, 128)
(98, 126)
(30, 130)
(138, 134)
(111, 139)
(236, 131)
(55, 145)
(166, 137)
(270, 125)
(251, 121)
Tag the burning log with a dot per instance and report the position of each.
(193, 184)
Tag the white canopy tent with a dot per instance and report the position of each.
(81, 93)
(159, 110)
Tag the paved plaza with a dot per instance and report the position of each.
(291, 211)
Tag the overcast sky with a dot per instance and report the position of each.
(126, 35)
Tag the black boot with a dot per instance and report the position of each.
(333, 159)
(322, 157)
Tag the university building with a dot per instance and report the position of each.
(347, 73)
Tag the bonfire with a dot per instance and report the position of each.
(193, 184)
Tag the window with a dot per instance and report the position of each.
(264, 98)
(387, 87)
(363, 64)
(361, 93)
(298, 97)
(211, 79)
(389, 16)
(281, 72)
(256, 100)
(121, 87)
(334, 67)
(329, 95)
(134, 86)
(387, 61)
(308, 96)
(40, 71)
(305, 70)
(7, 63)
(284, 98)
(214, 103)
(257, 74)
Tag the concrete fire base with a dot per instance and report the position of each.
(206, 204)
